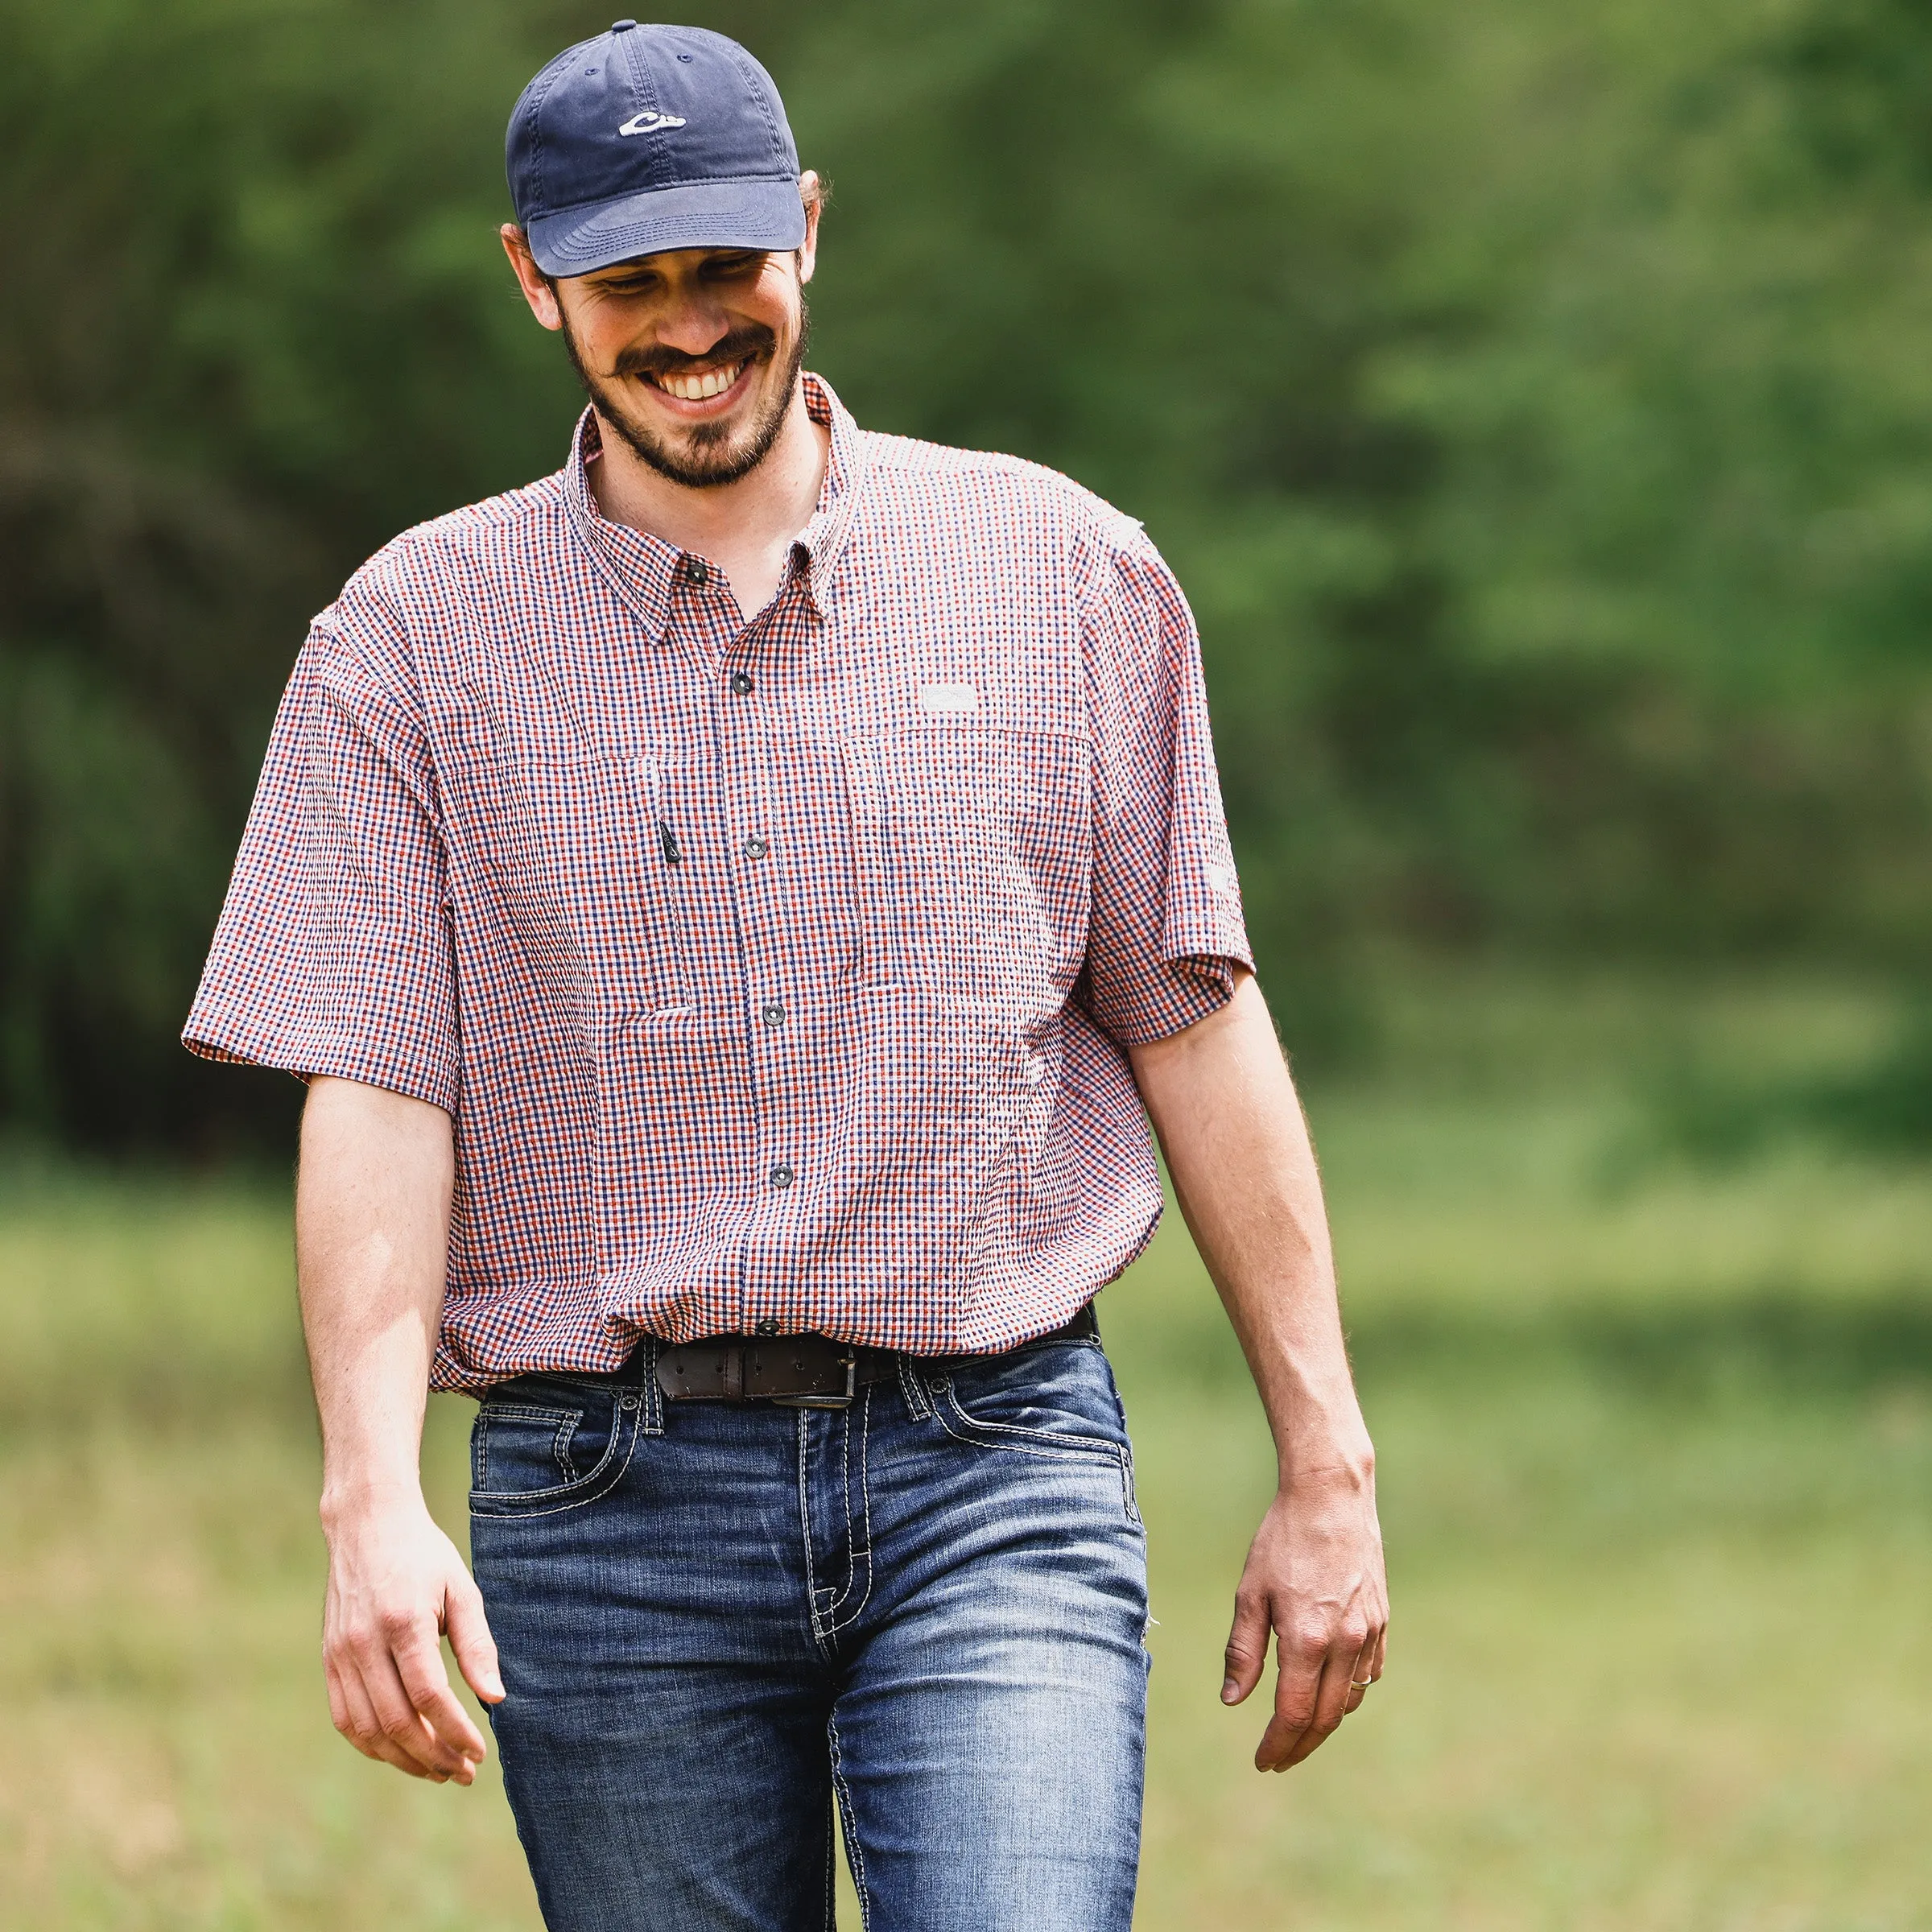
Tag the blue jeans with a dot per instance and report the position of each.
(713, 1617)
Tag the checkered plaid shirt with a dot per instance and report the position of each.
(774, 973)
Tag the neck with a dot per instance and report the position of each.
(763, 511)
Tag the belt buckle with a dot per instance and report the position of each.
(825, 1401)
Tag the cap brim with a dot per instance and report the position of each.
(765, 214)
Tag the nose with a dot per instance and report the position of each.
(692, 321)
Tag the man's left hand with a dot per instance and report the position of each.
(1314, 1579)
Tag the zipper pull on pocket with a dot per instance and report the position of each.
(674, 853)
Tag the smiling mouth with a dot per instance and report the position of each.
(699, 386)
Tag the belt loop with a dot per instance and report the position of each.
(912, 1390)
(651, 1420)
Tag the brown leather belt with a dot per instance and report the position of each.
(801, 1371)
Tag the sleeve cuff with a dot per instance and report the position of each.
(369, 1065)
(1170, 999)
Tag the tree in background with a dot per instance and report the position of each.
(1532, 399)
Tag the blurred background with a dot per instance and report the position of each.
(1536, 404)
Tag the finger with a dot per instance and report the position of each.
(338, 1704)
(426, 1684)
(1340, 1693)
(470, 1637)
(359, 1723)
(1330, 1700)
(1360, 1676)
(1298, 1659)
(1338, 1673)
(1247, 1647)
(402, 1722)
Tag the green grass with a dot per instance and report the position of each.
(1656, 1456)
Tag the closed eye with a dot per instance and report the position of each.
(642, 280)
(637, 283)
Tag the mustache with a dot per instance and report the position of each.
(754, 342)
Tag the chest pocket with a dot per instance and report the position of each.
(585, 860)
(973, 853)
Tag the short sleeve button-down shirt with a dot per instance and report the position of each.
(777, 972)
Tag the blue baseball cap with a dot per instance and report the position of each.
(647, 138)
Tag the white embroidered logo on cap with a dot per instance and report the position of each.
(648, 123)
(950, 700)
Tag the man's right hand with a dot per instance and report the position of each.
(372, 1244)
(396, 1587)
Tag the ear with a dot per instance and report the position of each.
(808, 249)
(537, 291)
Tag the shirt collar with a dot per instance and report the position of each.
(822, 543)
(646, 568)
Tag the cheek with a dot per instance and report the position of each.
(595, 341)
(775, 302)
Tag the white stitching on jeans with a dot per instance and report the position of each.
(565, 1419)
(1069, 1442)
(837, 1623)
(575, 1502)
(832, 1598)
(650, 1418)
(913, 1391)
(1134, 1502)
(812, 1587)
(1098, 1452)
(855, 1851)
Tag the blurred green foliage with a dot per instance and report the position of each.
(1533, 399)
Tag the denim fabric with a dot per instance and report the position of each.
(715, 1618)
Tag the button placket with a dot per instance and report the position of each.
(741, 723)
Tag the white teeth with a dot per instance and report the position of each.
(696, 389)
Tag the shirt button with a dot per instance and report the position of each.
(781, 1176)
(697, 572)
(775, 1014)
(767, 1327)
(740, 684)
(756, 848)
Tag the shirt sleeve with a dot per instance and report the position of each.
(1165, 934)
(333, 954)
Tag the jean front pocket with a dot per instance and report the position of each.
(1055, 1401)
(535, 1455)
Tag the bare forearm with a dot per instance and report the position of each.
(372, 1238)
(372, 1230)
(1243, 1170)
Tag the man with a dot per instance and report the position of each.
(732, 900)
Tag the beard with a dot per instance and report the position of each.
(708, 454)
